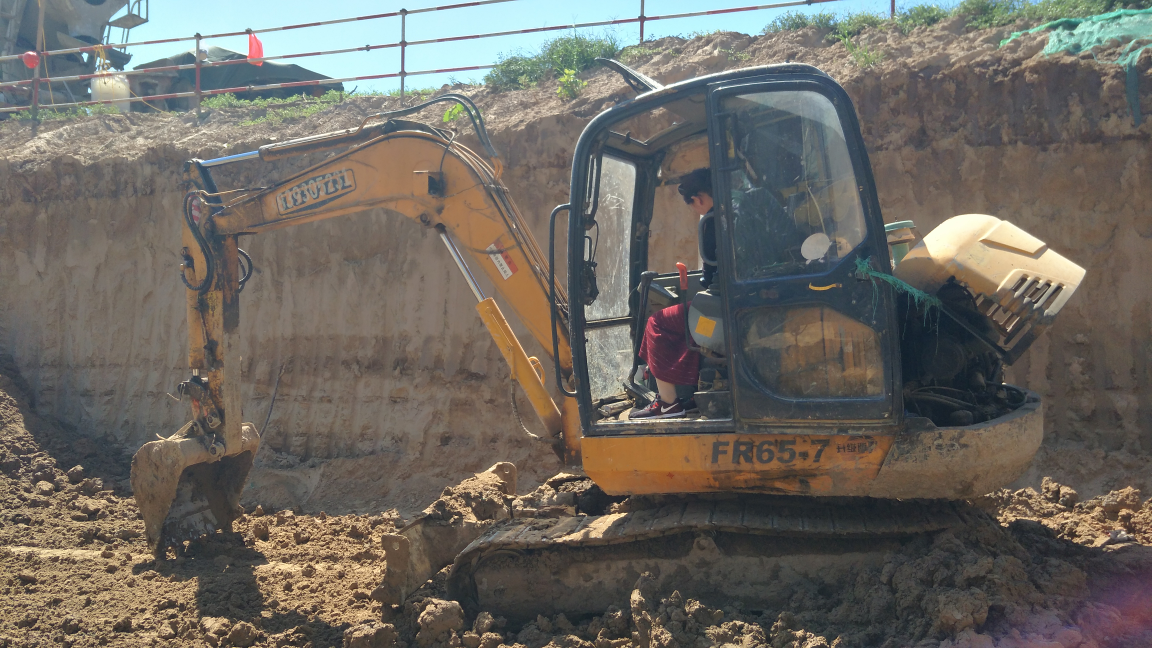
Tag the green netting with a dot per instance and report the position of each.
(929, 303)
(1074, 35)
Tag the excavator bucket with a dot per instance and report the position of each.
(188, 487)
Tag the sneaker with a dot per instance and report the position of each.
(659, 410)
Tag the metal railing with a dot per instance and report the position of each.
(198, 93)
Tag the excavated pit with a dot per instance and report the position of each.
(1026, 569)
(391, 390)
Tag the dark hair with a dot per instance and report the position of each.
(695, 182)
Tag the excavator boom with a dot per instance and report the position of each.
(190, 484)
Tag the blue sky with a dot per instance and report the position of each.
(172, 19)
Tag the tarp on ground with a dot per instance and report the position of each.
(1129, 27)
(242, 74)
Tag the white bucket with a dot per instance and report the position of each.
(112, 86)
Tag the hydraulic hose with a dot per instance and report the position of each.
(209, 267)
(245, 260)
(954, 403)
(246, 266)
(464, 102)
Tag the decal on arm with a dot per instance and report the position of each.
(498, 252)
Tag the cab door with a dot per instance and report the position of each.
(812, 340)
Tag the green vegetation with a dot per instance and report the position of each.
(570, 85)
(633, 53)
(276, 109)
(452, 113)
(992, 13)
(215, 102)
(565, 57)
(698, 33)
(853, 24)
(839, 28)
(410, 94)
(576, 52)
(924, 15)
(989, 13)
(298, 107)
(733, 55)
(796, 20)
(863, 56)
(979, 14)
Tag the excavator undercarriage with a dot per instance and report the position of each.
(725, 550)
(582, 552)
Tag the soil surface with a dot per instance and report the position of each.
(1028, 570)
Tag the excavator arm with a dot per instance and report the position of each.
(422, 174)
(190, 483)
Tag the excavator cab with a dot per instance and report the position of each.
(804, 334)
(796, 210)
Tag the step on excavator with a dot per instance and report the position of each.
(850, 391)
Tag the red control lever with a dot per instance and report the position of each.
(683, 276)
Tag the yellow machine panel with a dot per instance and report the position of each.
(799, 464)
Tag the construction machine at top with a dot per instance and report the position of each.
(832, 387)
(64, 24)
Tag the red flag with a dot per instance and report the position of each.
(255, 49)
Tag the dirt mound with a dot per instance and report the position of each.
(66, 485)
(1023, 570)
(74, 569)
(1116, 517)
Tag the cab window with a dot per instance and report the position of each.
(609, 347)
(795, 204)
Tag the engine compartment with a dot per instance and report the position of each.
(951, 375)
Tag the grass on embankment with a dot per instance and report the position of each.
(578, 52)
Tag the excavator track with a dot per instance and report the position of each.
(748, 549)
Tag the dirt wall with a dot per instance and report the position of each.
(388, 387)
(391, 389)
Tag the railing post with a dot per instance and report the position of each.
(642, 21)
(42, 60)
(36, 90)
(197, 74)
(403, 48)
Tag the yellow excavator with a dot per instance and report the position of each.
(850, 385)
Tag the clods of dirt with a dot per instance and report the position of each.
(74, 569)
(1028, 569)
(1114, 518)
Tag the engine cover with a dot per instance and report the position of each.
(1019, 283)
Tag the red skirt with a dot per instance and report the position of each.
(665, 349)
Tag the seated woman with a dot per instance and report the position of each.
(664, 347)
